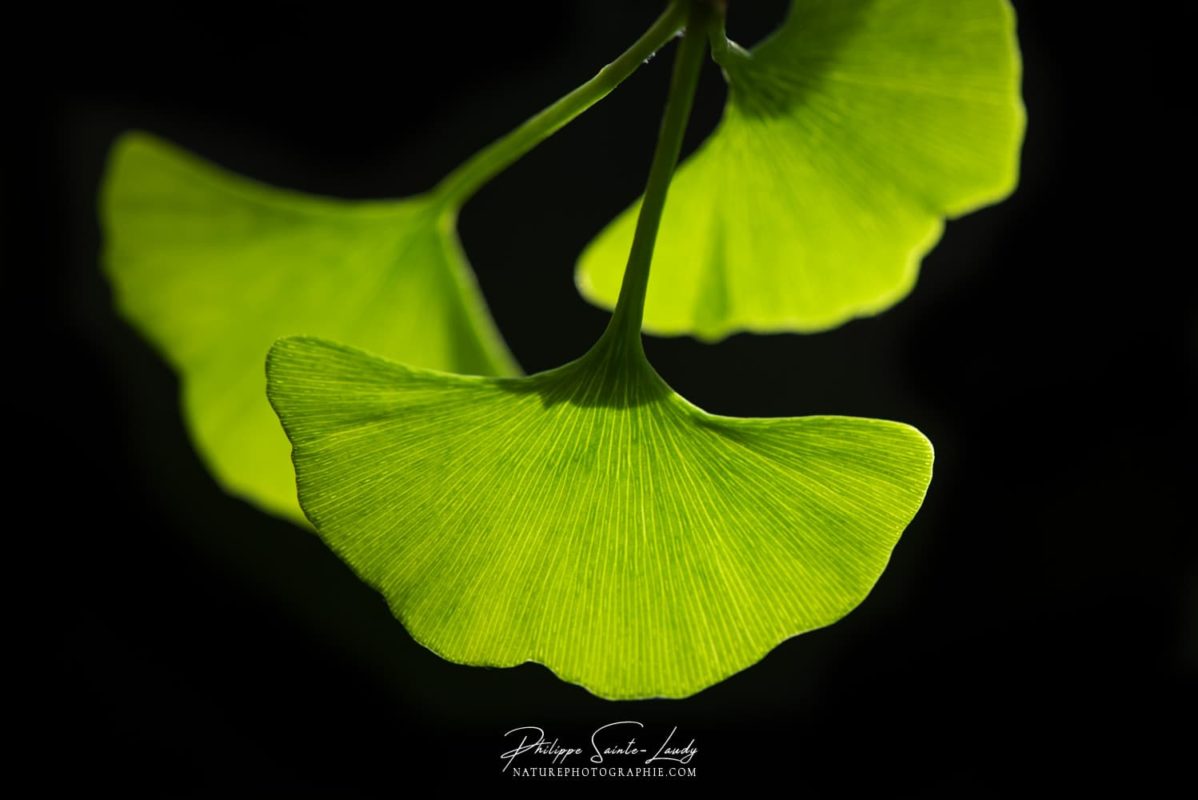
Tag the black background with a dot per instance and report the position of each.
(1039, 616)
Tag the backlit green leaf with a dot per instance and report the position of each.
(588, 518)
(847, 138)
(212, 268)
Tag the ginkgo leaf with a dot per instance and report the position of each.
(588, 518)
(212, 268)
(848, 136)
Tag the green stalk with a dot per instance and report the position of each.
(458, 186)
(625, 324)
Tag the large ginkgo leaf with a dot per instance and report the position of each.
(848, 137)
(588, 518)
(213, 268)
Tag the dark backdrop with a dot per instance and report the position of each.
(1039, 615)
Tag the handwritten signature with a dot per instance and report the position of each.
(606, 742)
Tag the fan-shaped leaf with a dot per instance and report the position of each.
(213, 268)
(588, 518)
(848, 136)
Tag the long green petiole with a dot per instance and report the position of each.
(625, 324)
(458, 186)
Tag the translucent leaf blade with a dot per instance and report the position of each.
(848, 137)
(212, 268)
(588, 518)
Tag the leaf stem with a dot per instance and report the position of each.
(625, 324)
(458, 186)
(724, 51)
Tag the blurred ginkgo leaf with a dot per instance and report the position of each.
(213, 268)
(849, 135)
